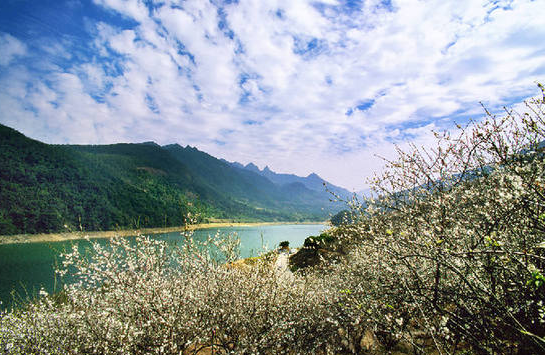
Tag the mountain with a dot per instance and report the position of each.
(53, 188)
(247, 185)
(252, 167)
(311, 182)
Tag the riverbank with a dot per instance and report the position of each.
(59, 237)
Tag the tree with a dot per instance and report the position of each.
(450, 244)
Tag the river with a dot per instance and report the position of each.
(26, 267)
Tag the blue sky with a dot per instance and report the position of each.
(300, 86)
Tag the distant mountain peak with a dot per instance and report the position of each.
(312, 182)
(174, 145)
(252, 167)
(235, 164)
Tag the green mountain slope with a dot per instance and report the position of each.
(51, 188)
(253, 188)
(47, 188)
(245, 186)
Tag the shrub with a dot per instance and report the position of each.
(449, 247)
(148, 297)
(343, 217)
(315, 242)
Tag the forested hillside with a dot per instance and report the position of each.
(253, 188)
(50, 188)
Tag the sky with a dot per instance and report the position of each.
(301, 86)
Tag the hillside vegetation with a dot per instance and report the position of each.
(53, 188)
(448, 259)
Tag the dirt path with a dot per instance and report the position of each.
(281, 266)
(282, 261)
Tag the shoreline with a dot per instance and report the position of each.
(64, 236)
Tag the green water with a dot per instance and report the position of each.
(24, 268)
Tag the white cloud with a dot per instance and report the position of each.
(133, 9)
(279, 82)
(10, 49)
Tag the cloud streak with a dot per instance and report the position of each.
(301, 86)
(11, 49)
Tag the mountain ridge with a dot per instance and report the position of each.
(312, 181)
(54, 188)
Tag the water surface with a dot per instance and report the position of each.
(26, 267)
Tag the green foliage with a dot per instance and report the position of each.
(536, 281)
(342, 218)
(321, 241)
